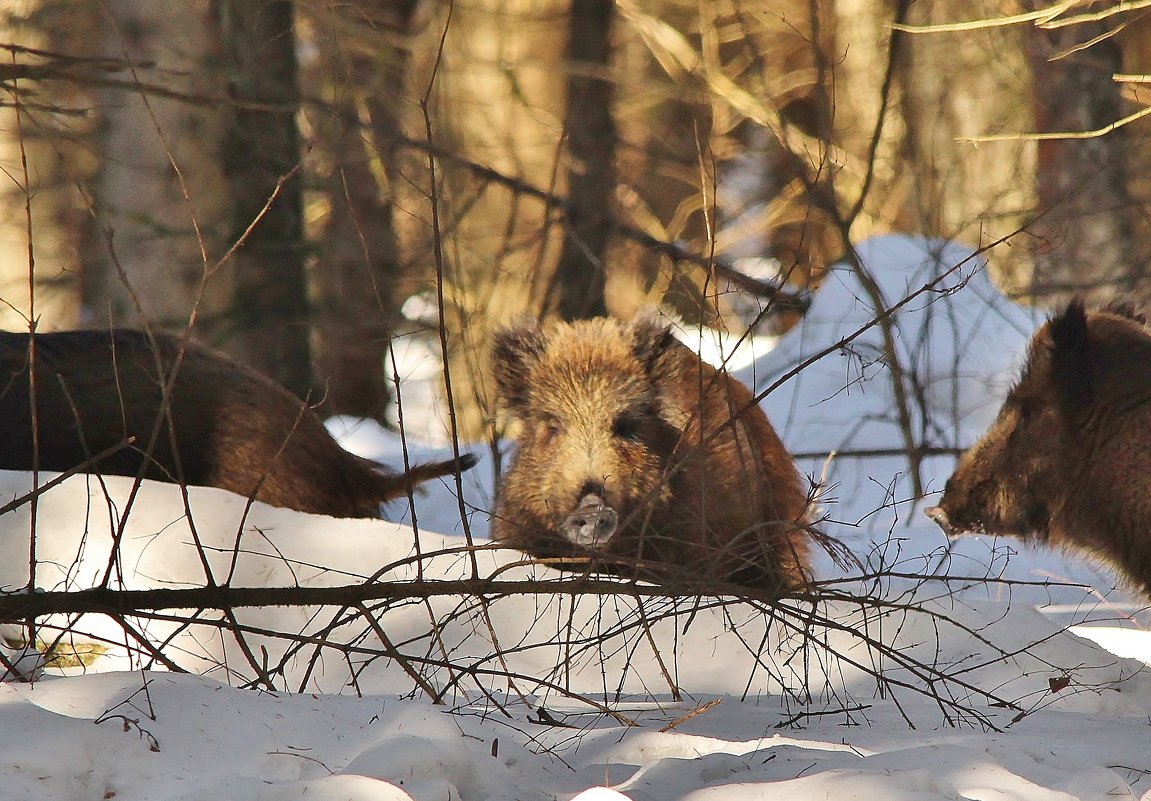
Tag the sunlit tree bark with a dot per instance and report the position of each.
(160, 199)
(494, 96)
(936, 92)
(42, 219)
(1082, 235)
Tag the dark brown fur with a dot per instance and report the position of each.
(230, 427)
(1068, 460)
(627, 418)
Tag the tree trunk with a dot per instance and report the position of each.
(580, 279)
(41, 214)
(361, 72)
(160, 194)
(269, 311)
(1082, 234)
(496, 99)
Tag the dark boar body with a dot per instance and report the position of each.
(229, 426)
(1067, 462)
(637, 457)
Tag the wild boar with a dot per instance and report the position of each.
(228, 427)
(1067, 461)
(636, 456)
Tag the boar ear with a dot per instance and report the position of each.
(1069, 357)
(651, 340)
(515, 350)
(657, 349)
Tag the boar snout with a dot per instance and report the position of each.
(941, 518)
(592, 523)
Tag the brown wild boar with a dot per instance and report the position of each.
(637, 456)
(1068, 461)
(229, 427)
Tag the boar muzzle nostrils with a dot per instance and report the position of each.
(592, 523)
(941, 519)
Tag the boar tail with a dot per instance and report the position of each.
(397, 486)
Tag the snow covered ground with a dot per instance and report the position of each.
(987, 691)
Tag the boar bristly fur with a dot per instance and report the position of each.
(228, 426)
(638, 457)
(1066, 461)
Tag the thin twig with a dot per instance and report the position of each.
(699, 710)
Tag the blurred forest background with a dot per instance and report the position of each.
(303, 184)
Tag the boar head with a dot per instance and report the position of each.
(1023, 469)
(598, 425)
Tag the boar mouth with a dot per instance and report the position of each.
(950, 529)
(592, 523)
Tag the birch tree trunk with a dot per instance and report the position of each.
(161, 200)
(42, 217)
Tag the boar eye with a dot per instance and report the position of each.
(1021, 407)
(552, 426)
(1025, 410)
(626, 426)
